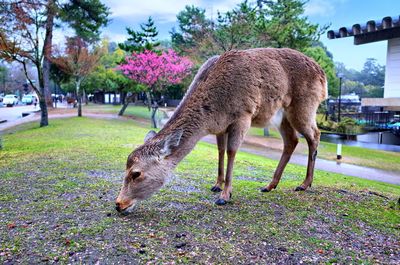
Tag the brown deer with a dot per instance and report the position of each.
(229, 94)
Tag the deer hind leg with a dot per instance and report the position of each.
(236, 133)
(290, 141)
(303, 120)
(221, 143)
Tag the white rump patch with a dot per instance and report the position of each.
(276, 120)
(326, 87)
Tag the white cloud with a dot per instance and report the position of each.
(161, 10)
(321, 7)
(115, 37)
(134, 12)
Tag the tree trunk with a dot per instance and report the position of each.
(85, 97)
(153, 115)
(79, 96)
(149, 99)
(44, 118)
(127, 100)
(122, 110)
(125, 103)
(51, 10)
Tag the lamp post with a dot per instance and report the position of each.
(340, 94)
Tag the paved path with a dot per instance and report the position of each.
(326, 165)
(253, 145)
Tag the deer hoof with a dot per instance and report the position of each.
(265, 189)
(216, 189)
(220, 202)
(299, 188)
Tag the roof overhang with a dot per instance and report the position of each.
(380, 102)
(372, 31)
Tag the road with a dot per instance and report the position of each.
(13, 113)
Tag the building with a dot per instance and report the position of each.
(386, 29)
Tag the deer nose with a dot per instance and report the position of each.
(118, 206)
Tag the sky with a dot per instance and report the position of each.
(336, 13)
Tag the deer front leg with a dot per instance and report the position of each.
(290, 141)
(236, 133)
(221, 143)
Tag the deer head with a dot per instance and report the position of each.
(147, 169)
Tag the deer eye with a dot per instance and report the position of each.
(135, 174)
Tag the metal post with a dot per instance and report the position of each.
(55, 95)
(339, 152)
(340, 96)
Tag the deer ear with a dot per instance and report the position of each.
(170, 142)
(149, 135)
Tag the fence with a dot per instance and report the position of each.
(372, 119)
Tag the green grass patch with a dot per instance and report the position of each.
(58, 185)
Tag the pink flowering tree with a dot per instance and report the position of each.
(156, 71)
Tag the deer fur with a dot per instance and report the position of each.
(229, 94)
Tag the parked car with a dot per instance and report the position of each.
(10, 100)
(28, 99)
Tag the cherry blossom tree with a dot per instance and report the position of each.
(156, 71)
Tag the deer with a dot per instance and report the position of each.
(229, 94)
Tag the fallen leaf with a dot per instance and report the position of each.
(11, 226)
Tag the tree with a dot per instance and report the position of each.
(58, 76)
(193, 29)
(372, 73)
(156, 71)
(288, 27)
(78, 62)
(277, 23)
(26, 33)
(3, 76)
(104, 76)
(86, 17)
(368, 82)
(20, 41)
(238, 29)
(144, 39)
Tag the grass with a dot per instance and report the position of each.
(137, 111)
(58, 185)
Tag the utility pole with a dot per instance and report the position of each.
(340, 95)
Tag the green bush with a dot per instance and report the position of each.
(346, 125)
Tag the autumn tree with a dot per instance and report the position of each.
(155, 71)
(78, 62)
(21, 41)
(26, 33)
(85, 17)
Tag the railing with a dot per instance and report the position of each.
(372, 119)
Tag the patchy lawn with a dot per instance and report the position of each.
(58, 185)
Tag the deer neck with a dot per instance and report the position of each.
(194, 128)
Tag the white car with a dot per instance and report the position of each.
(10, 100)
(28, 99)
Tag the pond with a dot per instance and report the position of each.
(386, 141)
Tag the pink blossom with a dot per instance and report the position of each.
(149, 68)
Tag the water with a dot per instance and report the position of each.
(390, 142)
